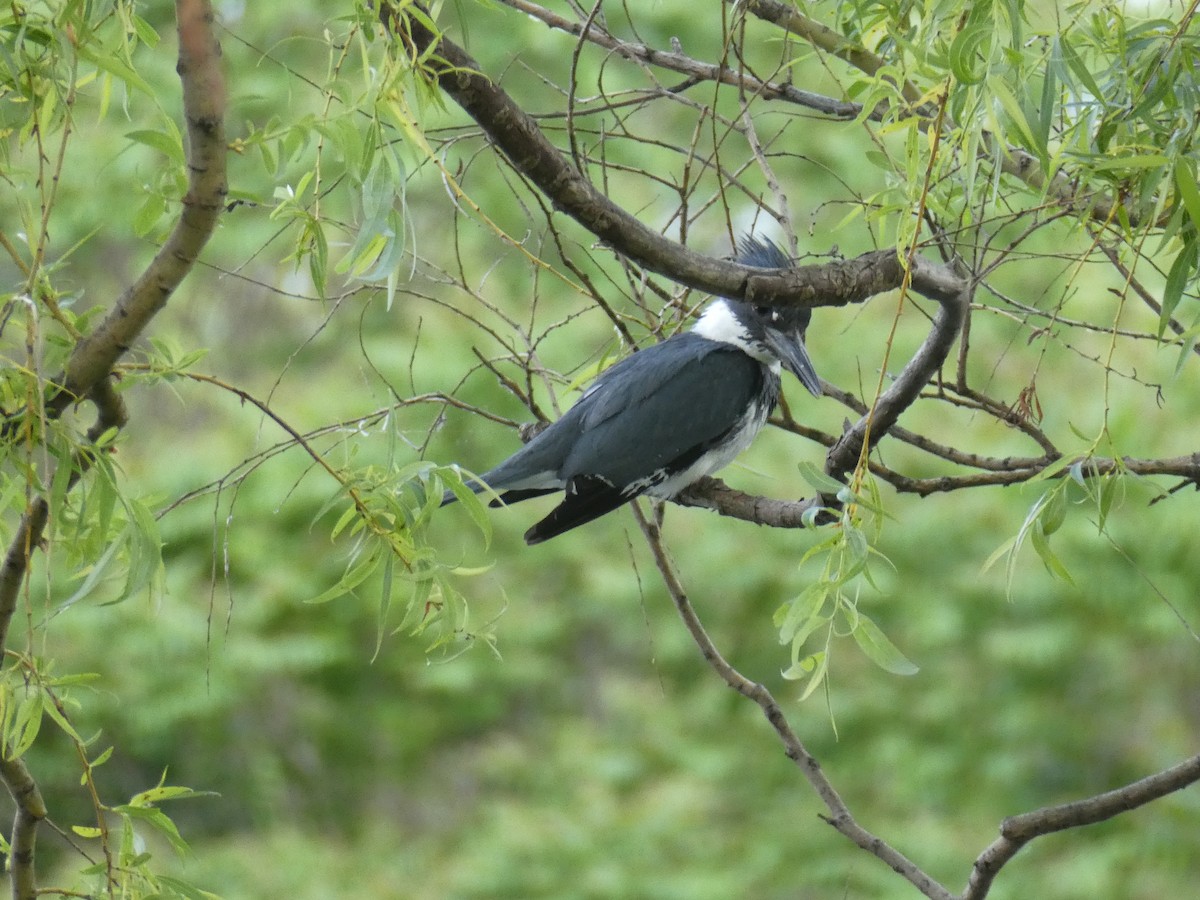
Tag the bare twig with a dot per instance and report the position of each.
(839, 814)
(1017, 831)
(694, 69)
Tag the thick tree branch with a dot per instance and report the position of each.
(872, 426)
(204, 113)
(89, 369)
(31, 810)
(518, 136)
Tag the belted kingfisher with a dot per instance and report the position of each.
(661, 419)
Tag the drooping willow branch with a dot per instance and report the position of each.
(31, 808)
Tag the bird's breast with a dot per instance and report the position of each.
(721, 454)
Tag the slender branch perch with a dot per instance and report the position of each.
(905, 389)
(1017, 831)
(839, 814)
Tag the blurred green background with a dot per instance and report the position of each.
(594, 755)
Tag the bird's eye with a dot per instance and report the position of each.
(768, 313)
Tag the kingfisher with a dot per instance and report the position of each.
(664, 417)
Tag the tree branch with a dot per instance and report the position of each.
(204, 112)
(1013, 160)
(31, 810)
(88, 371)
(839, 814)
(928, 359)
(518, 136)
(694, 69)
(1017, 831)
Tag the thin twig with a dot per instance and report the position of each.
(839, 814)
(1017, 831)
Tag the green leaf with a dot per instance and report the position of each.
(881, 651)
(1076, 64)
(1016, 115)
(101, 759)
(353, 577)
(1189, 193)
(1106, 492)
(168, 145)
(1054, 565)
(145, 549)
(158, 820)
(26, 724)
(967, 63)
(1132, 161)
(52, 710)
(1054, 513)
(184, 889)
(113, 65)
(95, 572)
(470, 502)
(820, 669)
(791, 616)
(822, 483)
(1178, 277)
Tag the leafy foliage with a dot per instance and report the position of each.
(259, 582)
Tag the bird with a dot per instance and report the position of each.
(662, 418)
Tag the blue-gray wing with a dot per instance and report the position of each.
(661, 409)
(650, 416)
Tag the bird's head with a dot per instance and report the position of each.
(769, 334)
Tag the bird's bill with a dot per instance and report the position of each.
(792, 353)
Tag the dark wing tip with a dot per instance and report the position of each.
(587, 497)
